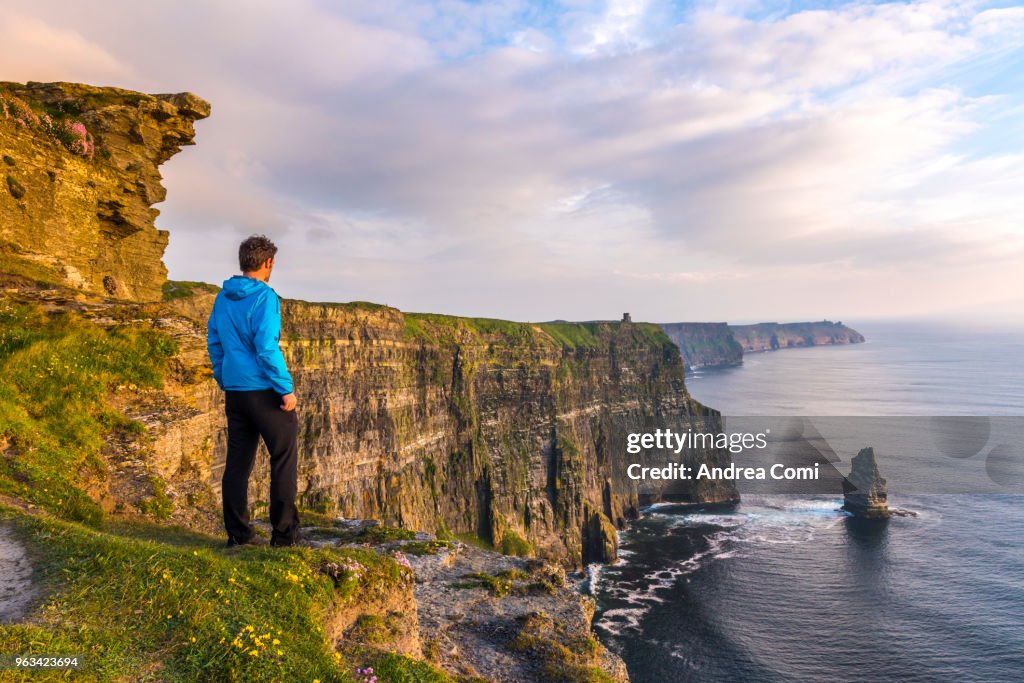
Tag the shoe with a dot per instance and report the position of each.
(255, 539)
(277, 542)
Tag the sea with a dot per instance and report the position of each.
(787, 587)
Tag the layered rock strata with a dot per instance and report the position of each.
(80, 166)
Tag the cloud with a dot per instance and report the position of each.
(43, 52)
(535, 160)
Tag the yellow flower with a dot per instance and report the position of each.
(276, 641)
(279, 653)
(193, 639)
(254, 652)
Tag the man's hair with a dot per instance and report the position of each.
(254, 251)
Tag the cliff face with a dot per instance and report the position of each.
(80, 166)
(705, 344)
(512, 432)
(771, 336)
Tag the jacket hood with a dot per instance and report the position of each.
(239, 287)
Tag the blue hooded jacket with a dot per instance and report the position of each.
(242, 337)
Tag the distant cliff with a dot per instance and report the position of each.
(721, 345)
(772, 336)
(705, 344)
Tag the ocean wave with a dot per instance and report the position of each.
(765, 521)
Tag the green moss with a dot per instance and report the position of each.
(426, 547)
(499, 585)
(514, 544)
(158, 505)
(470, 538)
(562, 656)
(383, 534)
(13, 263)
(15, 187)
(135, 597)
(373, 629)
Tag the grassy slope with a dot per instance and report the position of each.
(139, 600)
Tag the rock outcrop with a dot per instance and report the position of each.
(865, 493)
(81, 176)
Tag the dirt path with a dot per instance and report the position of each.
(16, 591)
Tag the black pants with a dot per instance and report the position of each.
(252, 414)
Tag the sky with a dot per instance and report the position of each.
(738, 160)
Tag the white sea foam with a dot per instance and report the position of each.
(763, 520)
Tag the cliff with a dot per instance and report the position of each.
(705, 344)
(513, 432)
(81, 176)
(772, 336)
(722, 345)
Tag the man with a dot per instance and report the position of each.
(242, 338)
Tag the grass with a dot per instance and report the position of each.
(176, 606)
(514, 544)
(470, 538)
(499, 585)
(390, 667)
(182, 289)
(573, 335)
(55, 373)
(420, 548)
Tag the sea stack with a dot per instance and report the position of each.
(864, 491)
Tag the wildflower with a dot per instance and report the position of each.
(401, 559)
